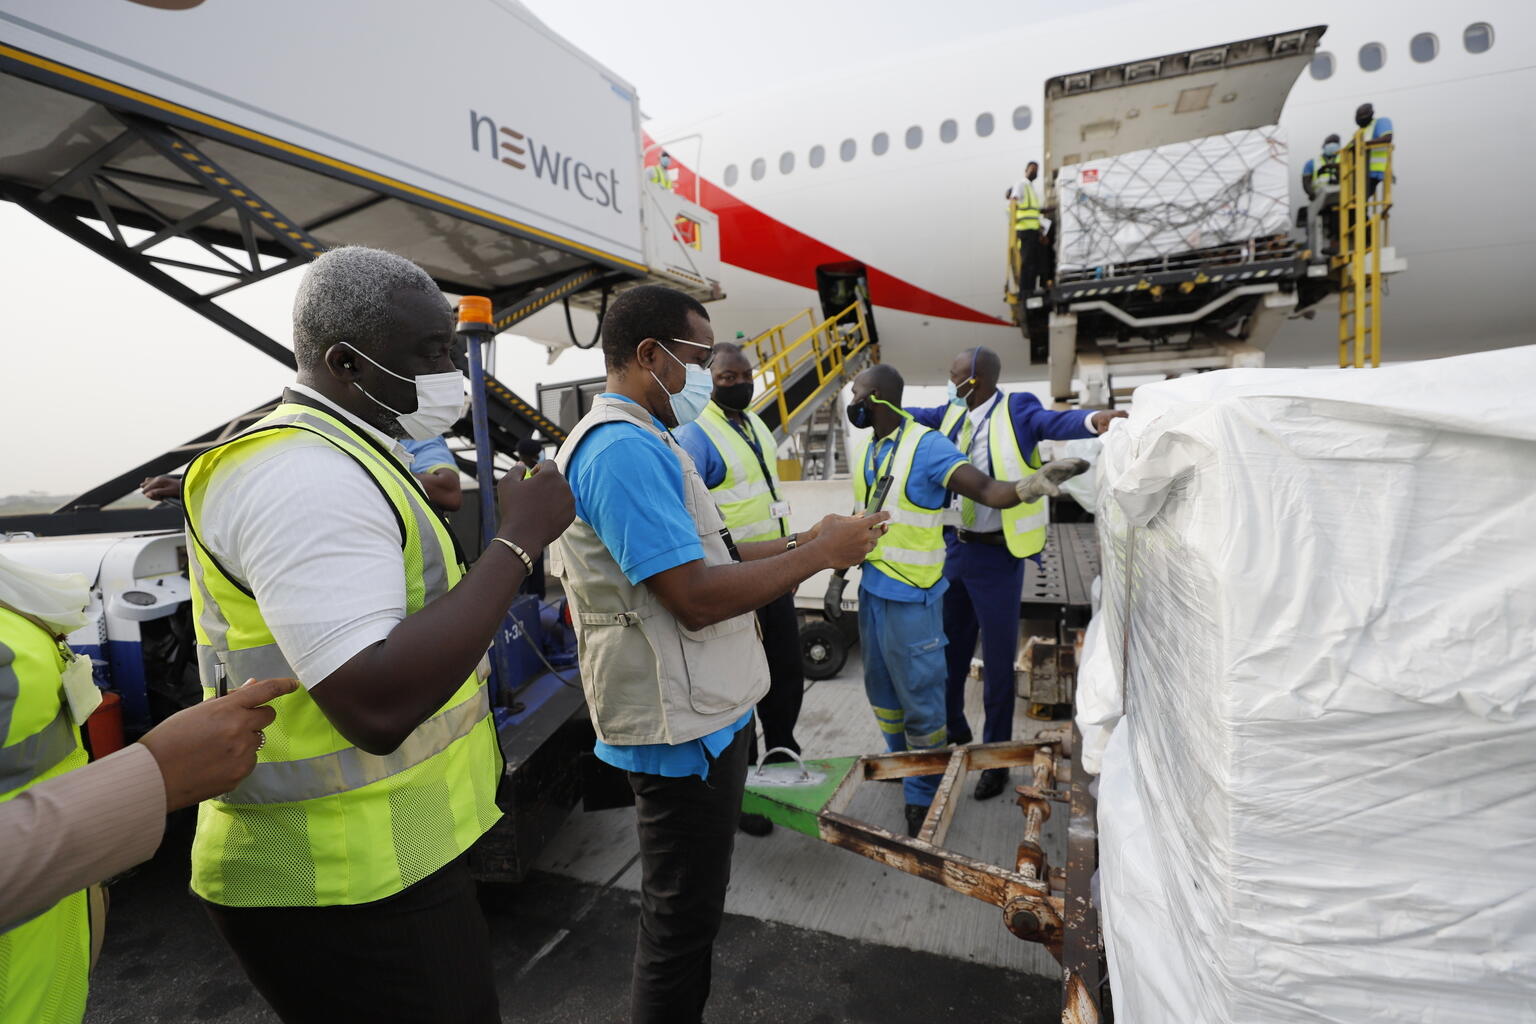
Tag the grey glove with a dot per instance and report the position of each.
(1047, 480)
(832, 600)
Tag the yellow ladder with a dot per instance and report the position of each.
(799, 365)
(1362, 234)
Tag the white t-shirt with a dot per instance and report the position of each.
(306, 529)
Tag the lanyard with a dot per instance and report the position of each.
(749, 435)
(981, 428)
(871, 472)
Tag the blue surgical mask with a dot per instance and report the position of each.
(955, 397)
(1330, 148)
(698, 386)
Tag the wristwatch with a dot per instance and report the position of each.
(793, 542)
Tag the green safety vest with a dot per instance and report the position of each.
(1024, 524)
(44, 961)
(1326, 170)
(660, 177)
(1376, 162)
(320, 822)
(912, 550)
(745, 496)
(1026, 210)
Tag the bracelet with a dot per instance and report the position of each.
(519, 552)
(794, 542)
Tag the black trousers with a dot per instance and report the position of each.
(1029, 260)
(422, 955)
(779, 709)
(687, 829)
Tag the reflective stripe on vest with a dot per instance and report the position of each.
(912, 550)
(1024, 524)
(1026, 210)
(44, 959)
(744, 496)
(1325, 171)
(659, 176)
(320, 822)
(1376, 161)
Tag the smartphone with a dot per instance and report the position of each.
(877, 496)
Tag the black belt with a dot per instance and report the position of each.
(994, 538)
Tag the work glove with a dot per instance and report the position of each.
(832, 600)
(1047, 480)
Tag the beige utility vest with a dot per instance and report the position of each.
(647, 679)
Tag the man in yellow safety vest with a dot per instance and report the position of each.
(1026, 227)
(902, 585)
(1372, 129)
(337, 871)
(985, 549)
(736, 455)
(660, 172)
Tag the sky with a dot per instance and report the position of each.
(102, 372)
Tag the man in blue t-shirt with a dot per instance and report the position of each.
(432, 463)
(902, 586)
(636, 543)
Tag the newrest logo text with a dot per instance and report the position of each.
(561, 170)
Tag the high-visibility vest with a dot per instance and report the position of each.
(745, 496)
(1024, 524)
(1376, 162)
(44, 961)
(659, 176)
(1325, 171)
(912, 550)
(320, 822)
(1026, 210)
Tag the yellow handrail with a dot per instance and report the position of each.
(1363, 225)
(781, 356)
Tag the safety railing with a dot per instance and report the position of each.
(1362, 232)
(786, 354)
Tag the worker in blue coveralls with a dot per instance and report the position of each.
(985, 548)
(901, 624)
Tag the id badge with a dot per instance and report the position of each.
(80, 689)
(779, 510)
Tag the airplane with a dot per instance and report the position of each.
(901, 168)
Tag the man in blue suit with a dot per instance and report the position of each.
(985, 548)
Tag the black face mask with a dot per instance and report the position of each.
(734, 397)
(858, 415)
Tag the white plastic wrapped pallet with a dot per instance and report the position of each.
(1173, 199)
(1319, 624)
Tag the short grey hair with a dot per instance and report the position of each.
(347, 296)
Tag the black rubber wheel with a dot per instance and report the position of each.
(823, 649)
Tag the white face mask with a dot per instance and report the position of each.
(440, 401)
(698, 386)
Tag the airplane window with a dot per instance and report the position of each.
(730, 175)
(1021, 118)
(1424, 47)
(1322, 65)
(759, 168)
(914, 137)
(948, 131)
(1478, 37)
(983, 125)
(848, 150)
(818, 156)
(1372, 57)
(880, 143)
(786, 162)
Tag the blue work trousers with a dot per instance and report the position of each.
(903, 645)
(985, 584)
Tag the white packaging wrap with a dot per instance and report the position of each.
(1318, 803)
(1173, 199)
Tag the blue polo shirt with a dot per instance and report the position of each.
(934, 463)
(429, 455)
(706, 458)
(629, 489)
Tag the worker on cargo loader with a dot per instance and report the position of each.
(1026, 227)
(736, 455)
(1324, 171)
(338, 871)
(664, 601)
(1372, 129)
(901, 621)
(660, 174)
(985, 548)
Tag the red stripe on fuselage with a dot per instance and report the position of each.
(752, 240)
